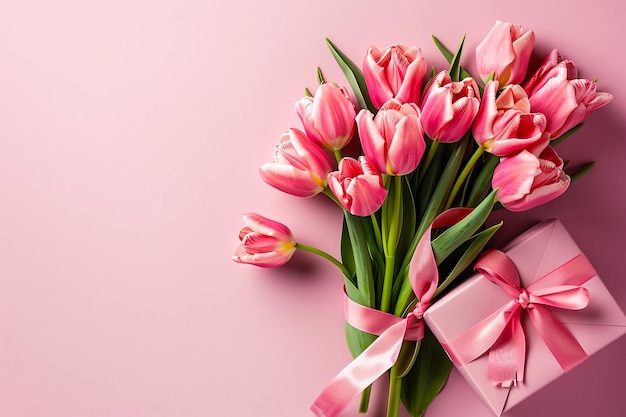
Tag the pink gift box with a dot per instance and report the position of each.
(535, 253)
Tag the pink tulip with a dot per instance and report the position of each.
(449, 108)
(328, 117)
(264, 242)
(358, 186)
(300, 167)
(505, 52)
(525, 181)
(555, 91)
(395, 72)
(393, 140)
(504, 125)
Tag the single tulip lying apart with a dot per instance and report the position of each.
(264, 242)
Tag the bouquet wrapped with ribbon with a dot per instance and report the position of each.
(417, 164)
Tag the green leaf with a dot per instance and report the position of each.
(449, 56)
(354, 76)
(476, 246)
(307, 92)
(407, 357)
(357, 342)
(483, 180)
(362, 260)
(459, 233)
(347, 257)
(427, 376)
(579, 172)
(566, 134)
(455, 64)
(320, 76)
(409, 220)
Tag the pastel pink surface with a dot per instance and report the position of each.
(535, 253)
(131, 133)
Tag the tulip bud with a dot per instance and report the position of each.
(504, 125)
(395, 72)
(264, 242)
(358, 186)
(505, 53)
(525, 181)
(393, 140)
(328, 117)
(566, 100)
(300, 167)
(449, 108)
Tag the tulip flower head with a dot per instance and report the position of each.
(566, 100)
(449, 108)
(328, 117)
(393, 140)
(395, 72)
(504, 125)
(358, 186)
(525, 181)
(300, 167)
(505, 53)
(264, 242)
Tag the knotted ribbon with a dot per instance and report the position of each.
(381, 355)
(502, 334)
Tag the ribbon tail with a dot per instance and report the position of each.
(507, 357)
(478, 339)
(377, 359)
(563, 345)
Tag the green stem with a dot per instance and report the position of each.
(337, 154)
(395, 390)
(463, 176)
(324, 255)
(376, 227)
(362, 260)
(365, 400)
(429, 158)
(395, 221)
(385, 300)
(391, 234)
(330, 195)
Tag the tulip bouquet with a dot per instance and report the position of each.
(434, 161)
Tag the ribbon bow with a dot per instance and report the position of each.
(381, 355)
(501, 333)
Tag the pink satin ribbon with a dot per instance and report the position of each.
(501, 333)
(380, 356)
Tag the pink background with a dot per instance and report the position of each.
(130, 137)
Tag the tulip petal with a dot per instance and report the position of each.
(514, 177)
(495, 53)
(522, 47)
(372, 142)
(407, 146)
(556, 100)
(375, 79)
(483, 124)
(263, 225)
(290, 180)
(409, 91)
(368, 195)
